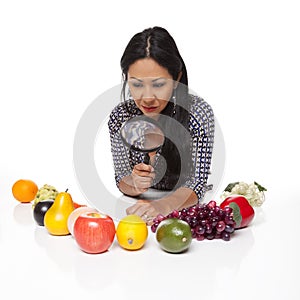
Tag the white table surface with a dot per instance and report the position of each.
(259, 262)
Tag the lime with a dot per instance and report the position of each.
(174, 235)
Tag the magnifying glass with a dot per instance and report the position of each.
(142, 134)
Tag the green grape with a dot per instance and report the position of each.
(45, 192)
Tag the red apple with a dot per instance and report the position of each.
(94, 232)
(75, 214)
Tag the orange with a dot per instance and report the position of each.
(132, 232)
(24, 190)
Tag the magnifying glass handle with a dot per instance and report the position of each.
(147, 159)
(150, 158)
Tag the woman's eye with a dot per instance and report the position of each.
(137, 85)
(158, 84)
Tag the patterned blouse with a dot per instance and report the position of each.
(201, 128)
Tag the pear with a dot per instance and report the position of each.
(56, 217)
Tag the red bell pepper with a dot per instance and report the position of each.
(243, 212)
(76, 205)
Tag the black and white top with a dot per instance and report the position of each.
(201, 128)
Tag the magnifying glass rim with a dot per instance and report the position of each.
(142, 118)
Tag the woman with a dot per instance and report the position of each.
(156, 76)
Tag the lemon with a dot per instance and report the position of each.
(132, 232)
(174, 235)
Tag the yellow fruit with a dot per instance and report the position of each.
(132, 232)
(56, 217)
(24, 190)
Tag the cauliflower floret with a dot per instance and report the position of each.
(253, 192)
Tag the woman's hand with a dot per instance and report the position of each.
(149, 209)
(139, 181)
(142, 177)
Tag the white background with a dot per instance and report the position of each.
(56, 57)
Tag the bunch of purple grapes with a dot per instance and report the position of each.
(207, 220)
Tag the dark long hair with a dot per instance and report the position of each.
(158, 44)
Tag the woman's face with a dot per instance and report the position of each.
(150, 85)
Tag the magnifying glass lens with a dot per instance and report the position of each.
(142, 134)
